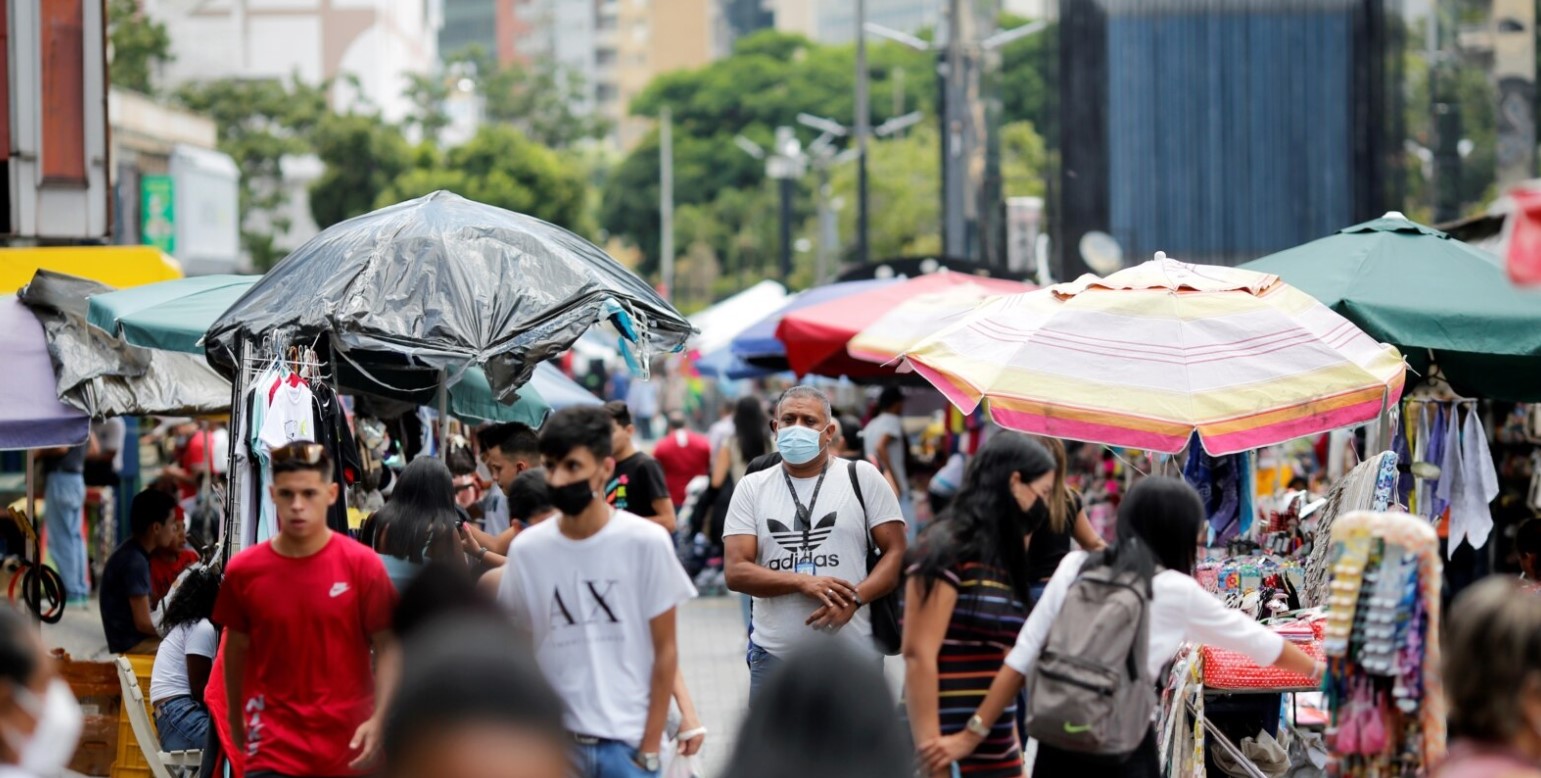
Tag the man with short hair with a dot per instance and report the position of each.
(637, 485)
(127, 588)
(684, 455)
(797, 537)
(301, 613)
(508, 450)
(1527, 546)
(596, 589)
(887, 444)
(529, 502)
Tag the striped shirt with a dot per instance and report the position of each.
(984, 626)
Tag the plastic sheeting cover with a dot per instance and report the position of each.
(446, 281)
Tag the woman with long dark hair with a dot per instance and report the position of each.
(420, 523)
(185, 660)
(1063, 518)
(1159, 523)
(967, 596)
(751, 439)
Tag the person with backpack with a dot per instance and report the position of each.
(1095, 646)
(814, 540)
(967, 595)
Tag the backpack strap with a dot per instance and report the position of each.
(856, 487)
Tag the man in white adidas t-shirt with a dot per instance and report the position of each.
(596, 590)
(796, 538)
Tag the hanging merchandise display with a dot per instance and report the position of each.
(1383, 685)
(1451, 480)
(1370, 486)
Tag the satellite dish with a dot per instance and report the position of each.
(1101, 253)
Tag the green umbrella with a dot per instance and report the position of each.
(170, 315)
(174, 315)
(1429, 295)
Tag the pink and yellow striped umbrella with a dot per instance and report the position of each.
(1154, 353)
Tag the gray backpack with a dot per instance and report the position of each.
(1090, 690)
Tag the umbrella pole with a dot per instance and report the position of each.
(443, 414)
(37, 532)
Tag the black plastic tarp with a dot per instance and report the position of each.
(446, 282)
(103, 376)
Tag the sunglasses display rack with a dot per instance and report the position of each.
(1383, 686)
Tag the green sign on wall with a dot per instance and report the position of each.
(157, 213)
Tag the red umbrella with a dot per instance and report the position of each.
(816, 336)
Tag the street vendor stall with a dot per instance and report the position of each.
(404, 301)
(1168, 357)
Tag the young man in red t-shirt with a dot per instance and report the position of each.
(301, 613)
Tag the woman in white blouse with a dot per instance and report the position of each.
(185, 660)
(1159, 526)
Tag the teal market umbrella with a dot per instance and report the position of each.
(170, 315)
(174, 315)
(1431, 296)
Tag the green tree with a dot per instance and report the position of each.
(139, 44)
(1029, 79)
(364, 155)
(428, 92)
(260, 122)
(544, 99)
(501, 167)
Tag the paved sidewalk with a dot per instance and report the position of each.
(712, 642)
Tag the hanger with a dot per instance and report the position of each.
(1436, 388)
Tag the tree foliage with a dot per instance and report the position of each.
(260, 122)
(501, 167)
(139, 44)
(545, 100)
(769, 79)
(363, 155)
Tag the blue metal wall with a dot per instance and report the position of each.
(1229, 128)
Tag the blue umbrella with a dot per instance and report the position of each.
(758, 345)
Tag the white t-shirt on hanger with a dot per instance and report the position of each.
(291, 417)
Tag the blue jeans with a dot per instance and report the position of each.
(761, 665)
(609, 759)
(64, 498)
(183, 724)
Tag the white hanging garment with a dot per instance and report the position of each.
(1472, 486)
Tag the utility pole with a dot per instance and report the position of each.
(971, 203)
(666, 201)
(863, 119)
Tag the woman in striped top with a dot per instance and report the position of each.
(956, 634)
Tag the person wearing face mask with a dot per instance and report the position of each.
(967, 595)
(1492, 669)
(40, 721)
(797, 536)
(594, 592)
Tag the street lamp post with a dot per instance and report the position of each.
(863, 121)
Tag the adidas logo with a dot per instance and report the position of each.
(802, 542)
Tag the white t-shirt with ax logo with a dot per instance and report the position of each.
(586, 605)
(832, 541)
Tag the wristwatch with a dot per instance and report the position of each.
(649, 762)
(977, 726)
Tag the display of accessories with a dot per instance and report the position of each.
(1383, 685)
(1368, 487)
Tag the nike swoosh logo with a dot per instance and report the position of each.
(338, 589)
(1072, 729)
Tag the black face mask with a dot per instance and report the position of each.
(1032, 519)
(573, 498)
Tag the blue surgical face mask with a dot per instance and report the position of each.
(798, 445)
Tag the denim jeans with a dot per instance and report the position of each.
(761, 665)
(64, 498)
(183, 724)
(609, 759)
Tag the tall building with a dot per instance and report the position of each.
(470, 22)
(377, 42)
(617, 47)
(1219, 131)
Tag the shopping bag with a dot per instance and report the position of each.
(681, 766)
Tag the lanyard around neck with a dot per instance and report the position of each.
(805, 515)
